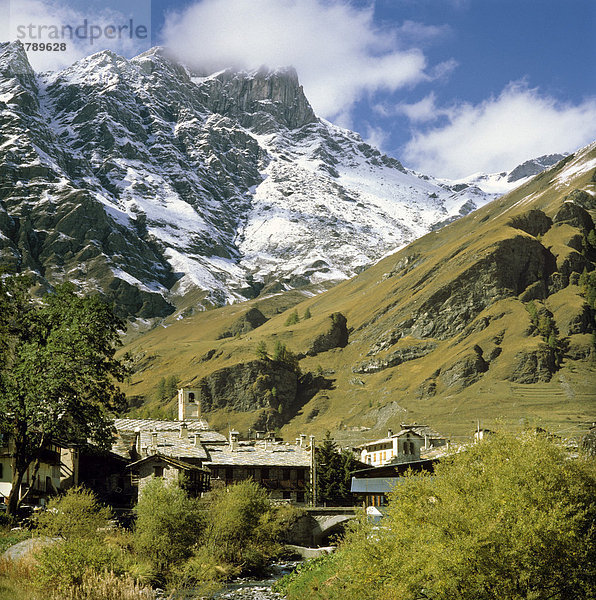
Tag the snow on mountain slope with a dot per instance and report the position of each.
(148, 182)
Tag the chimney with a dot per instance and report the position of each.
(390, 433)
(183, 430)
(144, 451)
(154, 440)
(195, 439)
(303, 440)
(233, 440)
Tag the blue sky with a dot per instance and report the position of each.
(450, 87)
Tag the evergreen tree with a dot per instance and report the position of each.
(307, 314)
(334, 469)
(292, 319)
(261, 351)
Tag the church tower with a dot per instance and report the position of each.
(189, 407)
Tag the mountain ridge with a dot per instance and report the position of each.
(168, 190)
(486, 318)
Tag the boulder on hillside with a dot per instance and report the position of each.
(576, 216)
(335, 337)
(534, 366)
(534, 222)
(250, 320)
(395, 358)
(465, 371)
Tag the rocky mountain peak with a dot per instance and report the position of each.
(262, 99)
(153, 184)
(534, 166)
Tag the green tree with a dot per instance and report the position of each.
(333, 472)
(292, 319)
(511, 517)
(261, 351)
(282, 354)
(168, 524)
(167, 388)
(307, 314)
(58, 373)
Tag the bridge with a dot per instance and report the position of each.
(319, 524)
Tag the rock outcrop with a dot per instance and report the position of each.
(250, 320)
(336, 337)
(249, 386)
(397, 357)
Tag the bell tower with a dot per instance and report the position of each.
(189, 406)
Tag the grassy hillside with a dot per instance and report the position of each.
(484, 319)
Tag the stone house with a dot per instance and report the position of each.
(283, 469)
(193, 478)
(403, 446)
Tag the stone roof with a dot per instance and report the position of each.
(123, 443)
(180, 464)
(156, 425)
(277, 455)
(425, 430)
(169, 443)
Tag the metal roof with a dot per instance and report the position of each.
(373, 485)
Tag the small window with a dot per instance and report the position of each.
(287, 495)
(191, 396)
(300, 497)
(1, 470)
(158, 471)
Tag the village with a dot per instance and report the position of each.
(188, 451)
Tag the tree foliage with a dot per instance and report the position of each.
(284, 355)
(76, 514)
(334, 472)
(511, 517)
(58, 371)
(292, 319)
(261, 351)
(167, 388)
(168, 524)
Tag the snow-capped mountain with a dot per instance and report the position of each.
(148, 182)
(498, 184)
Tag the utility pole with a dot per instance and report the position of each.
(313, 472)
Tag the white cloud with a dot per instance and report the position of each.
(339, 53)
(376, 136)
(423, 111)
(55, 22)
(497, 134)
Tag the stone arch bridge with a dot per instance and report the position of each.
(319, 524)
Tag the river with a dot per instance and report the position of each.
(247, 588)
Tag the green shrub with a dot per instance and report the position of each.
(243, 529)
(510, 518)
(168, 524)
(63, 564)
(76, 514)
